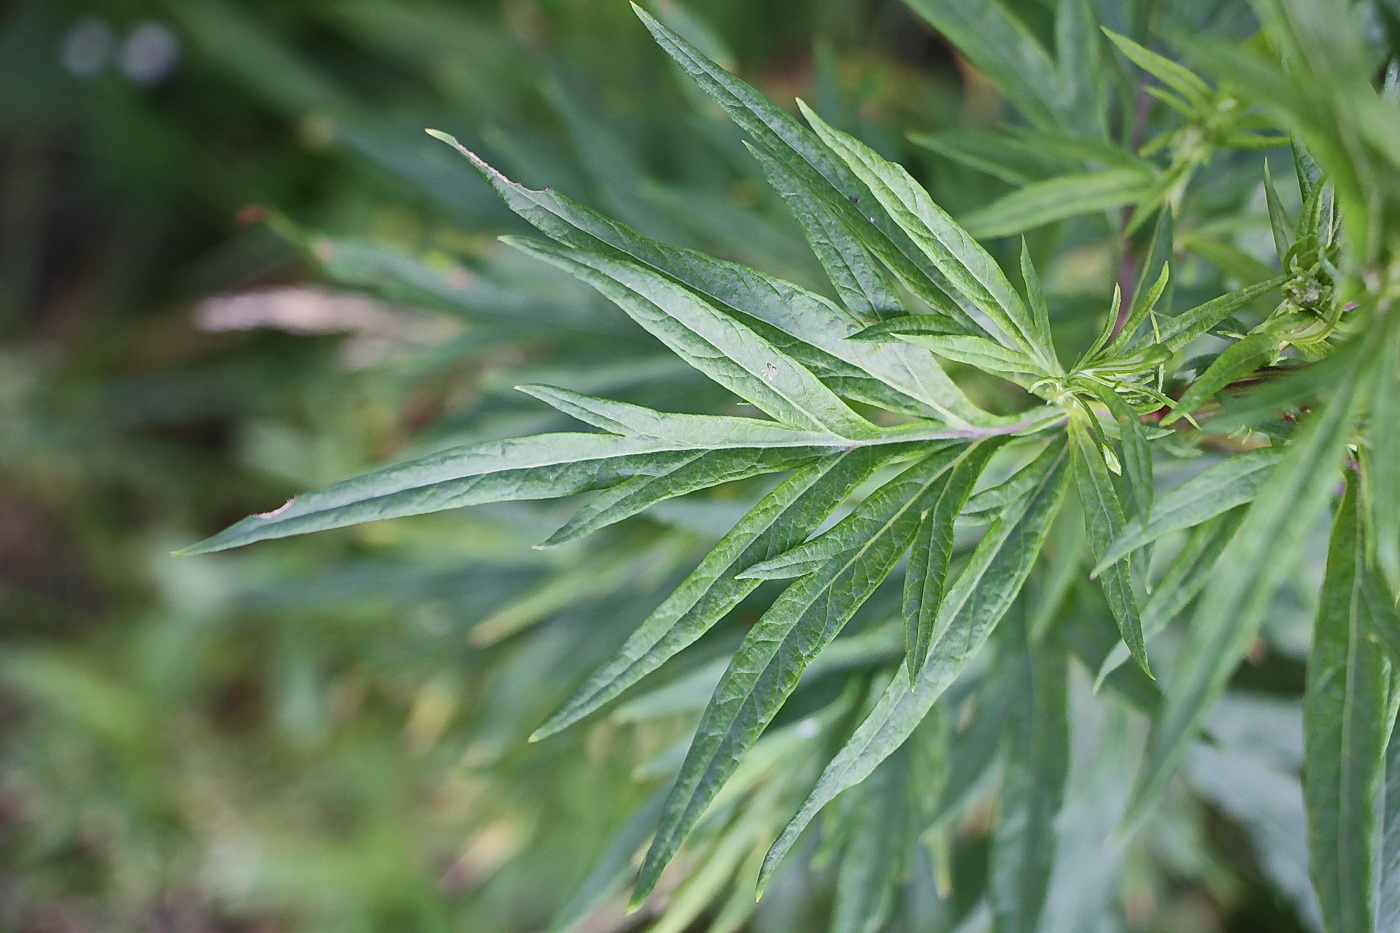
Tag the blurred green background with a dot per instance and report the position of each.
(233, 267)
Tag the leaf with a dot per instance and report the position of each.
(978, 352)
(767, 666)
(543, 466)
(1282, 227)
(799, 314)
(860, 281)
(1184, 578)
(609, 873)
(966, 265)
(1195, 91)
(1259, 556)
(1003, 48)
(710, 432)
(1345, 732)
(808, 162)
(974, 748)
(1043, 202)
(986, 505)
(995, 154)
(1179, 330)
(1079, 64)
(1145, 300)
(929, 324)
(1040, 311)
(1238, 360)
(781, 520)
(1103, 521)
(1035, 751)
(881, 506)
(1136, 459)
(970, 611)
(1213, 491)
(1380, 463)
(871, 864)
(701, 470)
(931, 553)
(1388, 890)
(716, 344)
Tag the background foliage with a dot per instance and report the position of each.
(330, 732)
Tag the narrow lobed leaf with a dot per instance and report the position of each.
(1059, 198)
(1103, 521)
(1035, 752)
(543, 466)
(932, 552)
(1215, 490)
(970, 611)
(781, 520)
(767, 666)
(965, 264)
(1239, 359)
(1259, 556)
(701, 470)
(1345, 728)
(799, 314)
(717, 344)
(1179, 330)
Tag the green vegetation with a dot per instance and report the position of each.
(1020, 552)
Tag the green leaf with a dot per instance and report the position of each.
(767, 666)
(609, 873)
(1135, 457)
(835, 238)
(970, 611)
(1103, 521)
(711, 432)
(1179, 330)
(1183, 580)
(1213, 491)
(1345, 733)
(1238, 360)
(1079, 64)
(544, 466)
(1040, 311)
(780, 521)
(932, 551)
(1053, 199)
(715, 343)
(973, 749)
(1004, 49)
(701, 470)
(812, 166)
(1144, 302)
(801, 315)
(1388, 890)
(1282, 227)
(965, 264)
(1180, 79)
(1036, 765)
(1259, 557)
(1380, 463)
(996, 154)
(880, 507)
(872, 862)
(978, 352)
(986, 505)
(930, 324)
